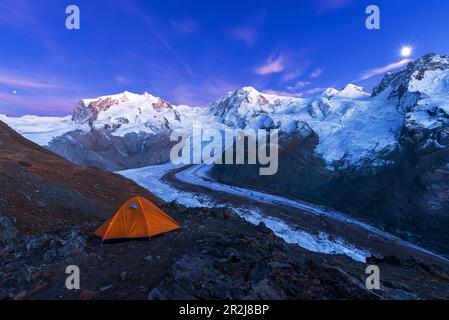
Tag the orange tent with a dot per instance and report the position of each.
(137, 218)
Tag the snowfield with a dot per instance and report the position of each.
(42, 130)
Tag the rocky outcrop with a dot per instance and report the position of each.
(215, 255)
(397, 84)
(8, 232)
(253, 264)
(420, 92)
(101, 149)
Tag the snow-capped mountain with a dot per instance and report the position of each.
(248, 107)
(354, 128)
(421, 92)
(382, 157)
(126, 113)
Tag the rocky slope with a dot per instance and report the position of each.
(42, 191)
(215, 255)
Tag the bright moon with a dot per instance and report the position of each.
(406, 52)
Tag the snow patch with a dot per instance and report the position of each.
(316, 243)
(150, 178)
(42, 130)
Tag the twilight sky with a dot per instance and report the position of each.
(192, 52)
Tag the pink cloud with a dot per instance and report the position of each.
(301, 84)
(185, 26)
(24, 81)
(36, 104)
(249, 32)
(317, 72)
(247, 35)
(292, 75)
(273, 65)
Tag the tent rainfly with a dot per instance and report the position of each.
(137, 218)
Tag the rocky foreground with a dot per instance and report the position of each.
(50, 208)
(216, 255)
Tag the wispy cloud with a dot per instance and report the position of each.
(250, 31)
(23, 82)
(294, 74)
(247, 35)
(323, 6)
(299, 84)
(132, 8)
(314, 91)
(37, 92)
(17, 13)
(274, 64)
(51, 104)
(122, 80)
(284, 93)
(381, 70)
(185, 26)
(28, 17)
(202, 94)
(317, 72)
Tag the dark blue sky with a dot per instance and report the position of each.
(192, 52)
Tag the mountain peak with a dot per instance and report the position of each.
(330, 92)
(125, 96)
(88, 110)
(397, 83)
(247, 90)
(352, 91)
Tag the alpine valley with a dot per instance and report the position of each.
(362, 177)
